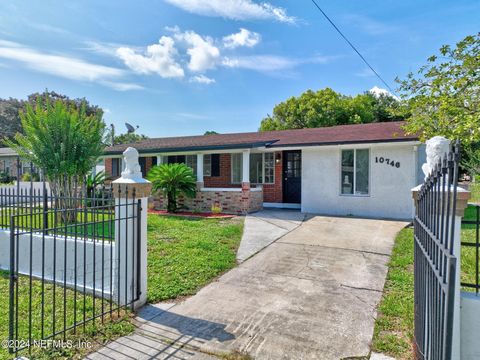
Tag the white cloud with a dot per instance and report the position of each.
(202, 79)
(64, 66)
(243, 38)
(377, 92)
(203, 53)
(234, 9)
(121, 86)
(158, 58)
(270, 63)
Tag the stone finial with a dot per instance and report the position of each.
(437, 148)
(132, 167)
(131, 183)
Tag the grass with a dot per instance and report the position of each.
(99, 224)
(184, 254)
(394, 325)
(468, 253)
(95, 333)
(475, 192)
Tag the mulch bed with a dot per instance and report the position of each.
(192, 214)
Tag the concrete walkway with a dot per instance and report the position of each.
(312, 294)
(264, 227)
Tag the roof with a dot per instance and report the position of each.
(6, 151)
(334, 135)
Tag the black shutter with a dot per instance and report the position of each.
(142, 161)
(215, 165)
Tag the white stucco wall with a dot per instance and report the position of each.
(86, 264)
(390, 187)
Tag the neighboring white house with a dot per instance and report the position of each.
(360, 170)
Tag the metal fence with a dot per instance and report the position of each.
(435, 264)
(69, 266)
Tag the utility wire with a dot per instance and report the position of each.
(352, 46)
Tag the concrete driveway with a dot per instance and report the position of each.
(312, 294)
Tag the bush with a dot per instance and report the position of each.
(5, 178)
(173, 180)
(30, 177)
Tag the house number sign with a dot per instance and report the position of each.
(387, 161)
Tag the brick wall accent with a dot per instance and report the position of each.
(274, 192)
(232, 202)
(108, 167)
(225, 178)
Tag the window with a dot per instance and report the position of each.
(116, 166)
(191, 162)
(256, 168)
(237, 168)
(262, 168)
(207, 165)
(355, 172)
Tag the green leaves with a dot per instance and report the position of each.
(62, 139)
(173, 180)
(443, 98)
(328, 108)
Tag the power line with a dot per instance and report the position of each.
(352, 46)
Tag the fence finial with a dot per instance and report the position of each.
(132, 167)
(436, 148)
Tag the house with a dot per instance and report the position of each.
(361, 170)
(12, 165)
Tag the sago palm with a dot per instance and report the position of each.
(173, 180)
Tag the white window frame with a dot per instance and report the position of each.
(355, 172)
(263, 169)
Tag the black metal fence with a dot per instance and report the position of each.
(68, 267)
(435, 264)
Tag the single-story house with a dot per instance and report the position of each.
(360, 170)
(11, 164)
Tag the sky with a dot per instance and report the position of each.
(182, 67)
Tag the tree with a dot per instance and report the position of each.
(173, 180)
(444, 97)
(210, 132)
(129, 138)
(10, 122)
(328, 108)
(62, 140)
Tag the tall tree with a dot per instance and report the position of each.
(62, 140)
(444, 96)
(326, 107)
(10, 122)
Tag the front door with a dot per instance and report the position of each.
(292, 176)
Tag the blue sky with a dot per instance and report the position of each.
(181, 67)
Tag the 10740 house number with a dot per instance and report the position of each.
(387, 161)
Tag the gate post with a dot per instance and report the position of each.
(131, 193)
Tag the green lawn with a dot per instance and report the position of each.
(99, 224)
(394, 325)
(475, 192)
(186, 253)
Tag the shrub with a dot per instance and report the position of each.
(5, 178)
(173, 180)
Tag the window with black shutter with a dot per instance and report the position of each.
(215, 165)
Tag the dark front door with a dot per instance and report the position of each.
(292, 176)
